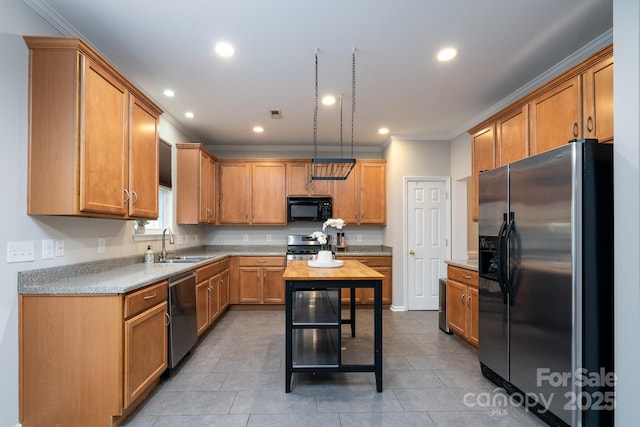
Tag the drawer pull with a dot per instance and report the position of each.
(467, 277)
(146, 297)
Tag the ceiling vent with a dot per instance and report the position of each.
(276, 114)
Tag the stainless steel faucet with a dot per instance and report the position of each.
(163, 254)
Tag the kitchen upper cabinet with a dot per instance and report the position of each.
(268, 193)
(556, 116)
(299, 182)
(482, 158)
(196, 186)
(512, 136)
(93, 137)
(598, 101)
(252, 192)
(361, 198)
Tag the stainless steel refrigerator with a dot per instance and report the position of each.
(546, 281)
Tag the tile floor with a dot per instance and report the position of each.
(236, 377)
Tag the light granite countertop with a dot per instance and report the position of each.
(122, 275)
(469, 263)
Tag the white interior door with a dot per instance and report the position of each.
(427, 240)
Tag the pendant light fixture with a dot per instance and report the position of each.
(334, 169)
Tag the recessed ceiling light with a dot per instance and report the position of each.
(225, 49)
(447, 54)
(383, 131)
(329, 100)
(169, 93)
(188, 115)
(258, 129)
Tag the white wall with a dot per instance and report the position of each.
(626, 38)
(460, 186)
(408, 158)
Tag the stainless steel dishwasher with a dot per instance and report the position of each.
(183, 333)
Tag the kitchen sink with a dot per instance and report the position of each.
(187, 259)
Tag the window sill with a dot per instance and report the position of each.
(148, 236)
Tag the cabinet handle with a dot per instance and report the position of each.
(462, 298)
(168, 318)
(146, 297)
(589, 124)
(126, 199)
(209, 290)
(575, 130)
(261, 261)
(469, 301)
(135, 197)
(467, 277)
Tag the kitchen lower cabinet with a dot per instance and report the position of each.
(90, 359)
(462, 303)
(212, 293)
(224, 284)
(259, 280)
(381, 264)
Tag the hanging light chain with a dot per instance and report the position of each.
(353, 93)
(315, 111)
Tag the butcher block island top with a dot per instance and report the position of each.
(351, 270)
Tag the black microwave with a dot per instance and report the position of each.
(314, 209)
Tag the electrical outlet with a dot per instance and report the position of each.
(59, 247)
(47, 249)
(246, 238)
(101, 245)
(359, 238)
(268, 237)
(20, 251)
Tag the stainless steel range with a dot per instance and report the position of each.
(302, 247)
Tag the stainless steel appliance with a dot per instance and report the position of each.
(546, 281)
(302, 247)
(183, 333)
(442, 310)
(309, 209)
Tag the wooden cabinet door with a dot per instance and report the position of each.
(214, 297)
(373, 197)
(268, 193)
(211, 192)
(482, 158)
(456, 307)
(556, 116)
(598, 101)
(249, 285)
(273, 285)
(299, 182)
(234, 179)
(224, 289)
(512, 136)
(104, 143)
(143, 161)
(346, 197)
(202, 306)
(472, 315)
(206, 189)
(145, 350)
(387, 289)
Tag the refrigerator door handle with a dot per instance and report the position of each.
(508, 283)
(502, 256)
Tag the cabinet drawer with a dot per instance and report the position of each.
(370, 261)
(255, 261)
(139, 301)
(224, 264)
(462, 275)
(208, 271)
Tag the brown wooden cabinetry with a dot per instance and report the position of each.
(381, 264)
(598, 101)
(259, 280)
(462, 303)
(224, 284)
(252, 192)
(362, 197)
(512, 136)
(196, 186)
(483, 147)
(93, 136)
(212, 293)
(299, 182)
(106, 351)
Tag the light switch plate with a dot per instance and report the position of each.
(59, 247)
(47, 249)
(20, 251)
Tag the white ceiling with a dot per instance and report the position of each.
(503, 45)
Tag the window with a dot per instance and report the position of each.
(165, 211)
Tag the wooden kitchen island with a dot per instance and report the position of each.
(313, 319)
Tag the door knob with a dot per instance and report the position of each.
(412, 252)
